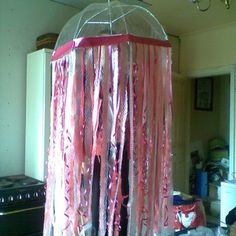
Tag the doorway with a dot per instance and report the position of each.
(209, 132)
(224, 72)
(182, 106)
(212, 133)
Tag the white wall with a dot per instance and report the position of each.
(21, 22)
(208, 49)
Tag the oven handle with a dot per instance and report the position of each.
(22, 210)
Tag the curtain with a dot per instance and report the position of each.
(109, 164)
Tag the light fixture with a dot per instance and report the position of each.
(200, 6)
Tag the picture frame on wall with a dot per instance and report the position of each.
(204, 94)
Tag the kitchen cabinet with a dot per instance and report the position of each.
(38, 93)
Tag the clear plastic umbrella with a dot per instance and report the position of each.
(109, 158)
(112, 18)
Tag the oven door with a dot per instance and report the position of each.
(22, 220)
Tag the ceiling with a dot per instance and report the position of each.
(181, 16)
(178, 16)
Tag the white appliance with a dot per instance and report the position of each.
(228, 199)
(38, 94)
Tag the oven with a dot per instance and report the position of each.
(22, 200)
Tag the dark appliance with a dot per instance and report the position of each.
(22, 200)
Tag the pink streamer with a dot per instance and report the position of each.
(111, 100)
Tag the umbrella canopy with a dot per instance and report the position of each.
(112, 18)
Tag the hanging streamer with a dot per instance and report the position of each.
(109, 157)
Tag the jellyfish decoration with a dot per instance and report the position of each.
(109, 164)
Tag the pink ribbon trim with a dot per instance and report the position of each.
(105, 40)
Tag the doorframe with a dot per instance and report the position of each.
(180, 77)
(222, 70)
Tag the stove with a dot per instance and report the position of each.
(18, 189)
(22, 200)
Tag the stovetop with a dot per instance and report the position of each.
(17, 181)
(18, 189)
